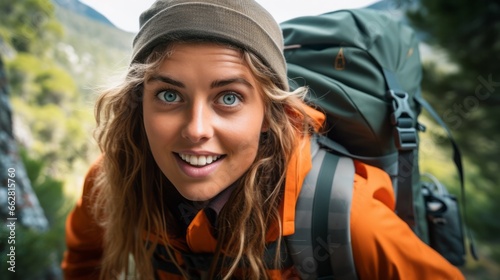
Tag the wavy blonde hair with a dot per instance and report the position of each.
(131, 194)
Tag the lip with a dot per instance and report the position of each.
(198, 171)
(197, 153)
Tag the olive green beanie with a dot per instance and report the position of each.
(243, 23)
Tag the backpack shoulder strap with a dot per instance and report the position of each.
(406, 141)
(321, 245)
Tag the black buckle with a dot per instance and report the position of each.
(405, 134)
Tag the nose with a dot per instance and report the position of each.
(198, 125)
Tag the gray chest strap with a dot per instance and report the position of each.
(321, 245)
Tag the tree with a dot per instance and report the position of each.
(28, 25)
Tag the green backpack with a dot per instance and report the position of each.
(363, 70)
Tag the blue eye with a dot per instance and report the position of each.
(169, 96)
(229, 99)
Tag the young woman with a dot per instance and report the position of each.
(204, 151)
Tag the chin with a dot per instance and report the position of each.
(196, 196)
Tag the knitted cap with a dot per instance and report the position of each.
(243, 23)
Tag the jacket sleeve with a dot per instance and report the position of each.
(83, 236)
(384, 246)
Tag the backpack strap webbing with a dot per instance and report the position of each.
(457, 159)
(406, 141)
(321, 245)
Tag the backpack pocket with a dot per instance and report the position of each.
(444, 221)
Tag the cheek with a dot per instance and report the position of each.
(240, 157)
(245, 139)
(150, 127)
(158, 130)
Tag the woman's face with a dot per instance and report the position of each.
(203, 116)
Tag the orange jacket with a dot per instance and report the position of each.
(384, 247)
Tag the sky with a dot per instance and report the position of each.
(125, 13)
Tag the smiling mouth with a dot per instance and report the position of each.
(199, 160)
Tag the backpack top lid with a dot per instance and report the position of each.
(341, 56)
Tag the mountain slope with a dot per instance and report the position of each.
(82, 9)
(91, 48)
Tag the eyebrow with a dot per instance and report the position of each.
(214, 84)
(166, 80)
(221, 83)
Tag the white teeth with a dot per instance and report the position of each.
(199, 160)
(202, 160)
(193, 160)
(209, 159)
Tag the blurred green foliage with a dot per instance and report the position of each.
(28, 25)
(50, 116)
(52, 124)
(38, 253)
(462, 81)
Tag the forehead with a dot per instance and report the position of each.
(155, 60)
(204, 51)
(204, 61)
(181, 56)
(166, 50)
